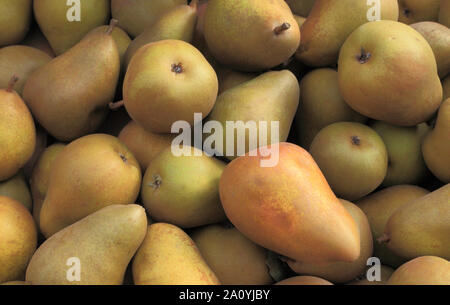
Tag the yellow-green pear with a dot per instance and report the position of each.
(379, 207)
(18, 239)
(65, 23)
(168, 256)
(178, 23)
(424, 270)
(436, 145)
(388, 72)
(234, 258)
(183, 190)
(385, 274)
(330, 23)
(421, 227)
(93, 251)
(301, 7)
(352, 157)
(321, 104)
(304, 280)
(88, 174)
(70, 111)
(21, 61)
(412, 11)
(17, 188)
(137, 15)
(230, 78)
(14, 21)
(17, 132)
(444, 13)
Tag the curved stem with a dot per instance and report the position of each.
(281, 28)
(112, 25)
(116, 105)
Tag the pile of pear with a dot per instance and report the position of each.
(92, 193)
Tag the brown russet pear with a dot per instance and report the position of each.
(412, 11)
(137, 15)
(436, 145)
(21, 61)
(40, 177)
(64, 24)
(69, 100)
(343, 272)
(36, 39)
(369, 79)
(229, 79)
(234, 258)
(304, 280)
(18, 239)
(301, 7)
(251, 35)
(183, 190)
(288, 208)
(168, 256)
(17, 189)
(321, 104)
(14, 21)
(101, 245)
(168, 81)
(331, 22)
(144, 145)
(438, 36)
(444, 13)
(385, 274)
(421, 227)
(88, 174)
(271, 98)
(424, 270)
(379, 207)
(17, 132)
(178, 23)
(353, 158)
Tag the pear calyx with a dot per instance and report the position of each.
(14, 79)
(157, 181)
(177, 68)
(364, 56)
(356, 140)
(281, 28)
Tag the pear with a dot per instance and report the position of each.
(288, 208)
(17, 132)
(229, 79)
(403, 144)
(385, 274)
(300, 20)
(321, 104)
(379, 207)
(343, 272)
(42, 140)
(301, 7)
(183, 190)
(412, 11)
(178, 23)
(304, 280)
(330, 23)
(88, 174)
(353, 158)
(168, 256)
(101, 245)
(425, 270)
(15, 20)
(251, 35)
(40, 177)
(69, 112)
(270, 98)
(386, 67)
(144, 145)
(64, 24)
(137, 15)
(436, 145)
(17, 189)
(18, 239)
(234, 258)
(16, 283)
(36, 39)
(178, 70)
(446, 87)
(444, 13)
(21, 61)
(438, 36)
(421, 227)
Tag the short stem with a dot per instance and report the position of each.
(281, 28)
(12, 82)
(383, 239)
(112, 25)
(116, 105)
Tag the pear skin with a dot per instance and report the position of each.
(229, 79)
(70, 111)
(88, 174)
(444, 13)
(15, 21)
(168, 256)
(17, 132)
(18, 239)
(385, 274)
(16, 283)
(425, 270)
(284, 207)
(436, 145)
(61, 31)
(369, 73)
(446, 87)
(103, 244)
(412, 11)
(421, 227)
(330, 23)
(301, 7)
(304, 280)
(379, 207)
(17, 189)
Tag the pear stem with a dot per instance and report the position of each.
(194, 4)
(112, 25)
(281, 28)
(383, 239)
(116, 105)
(12, 83)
